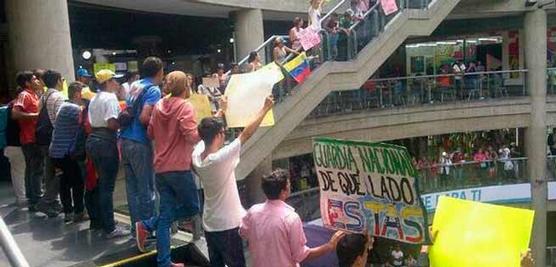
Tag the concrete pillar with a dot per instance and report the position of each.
(249, 31)
(39, 35)
(535, 134)
(254, 192)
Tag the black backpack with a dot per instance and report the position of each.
(43, 132)
(125, 118)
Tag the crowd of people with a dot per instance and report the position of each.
(159, 144)
(485, 165)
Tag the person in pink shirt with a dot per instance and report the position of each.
(274, 230)
(173, 129)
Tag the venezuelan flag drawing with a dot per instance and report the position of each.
(298, 68)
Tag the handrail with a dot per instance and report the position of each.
(332, 11)
(375, 6)
(448, 75)
(10, 247)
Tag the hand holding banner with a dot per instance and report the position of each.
(479, 235)
(369, 187)
(246, 94)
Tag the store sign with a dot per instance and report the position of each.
(515, 193)
(369, 187)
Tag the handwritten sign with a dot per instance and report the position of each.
(477, 234)
(369, 187)
(211, 82)
(308, 38)
(389, 6)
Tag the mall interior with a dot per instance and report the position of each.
(389, 81)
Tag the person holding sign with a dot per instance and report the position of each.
(215, 165)
(275, 231)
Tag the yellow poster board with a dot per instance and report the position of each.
(201, 105)
(246, 94)
(479, 235)
(104, 66)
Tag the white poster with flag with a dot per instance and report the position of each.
(246, 94)
(389, 6)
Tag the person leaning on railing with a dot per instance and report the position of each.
(294, 31)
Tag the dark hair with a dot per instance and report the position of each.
(23, 77)
(252, 56)
(130, 74)
(151, 66)
(209, 128)
(39, 73)
(274, 183)
(51, 78)
(296, 21)
(75, 87)
(349, 248)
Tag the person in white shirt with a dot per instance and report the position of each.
(130, 77)
(397, 257)
(459, 70)
(215, 164)
(101, 146)
(315, 14)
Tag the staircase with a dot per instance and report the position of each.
(337, 76)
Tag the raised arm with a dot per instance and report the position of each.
(222, 106)
(253, 125)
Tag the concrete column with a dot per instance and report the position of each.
(535, 134)
(39, 35)
(254, 192)
(249, 31)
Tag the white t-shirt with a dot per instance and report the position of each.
(222, 210)
(314, 19)
(103, 106)
(398, 258)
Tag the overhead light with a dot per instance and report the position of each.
(86, 55)
(169, 51)
(113, 53)
(232, 40)
(530, 3)
(218, 50)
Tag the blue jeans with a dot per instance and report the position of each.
(137, 159)
(178, 199)
(104, 154)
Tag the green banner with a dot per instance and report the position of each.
(369, 187)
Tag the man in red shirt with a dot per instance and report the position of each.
(26, 112)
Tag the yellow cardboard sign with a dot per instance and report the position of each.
(479, 235)
(104, 66)
(201, 105)
(246, 94)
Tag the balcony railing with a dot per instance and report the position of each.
(424, 90)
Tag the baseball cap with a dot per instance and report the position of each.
(104, 75)
(81, 72)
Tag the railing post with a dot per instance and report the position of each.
(10, 247)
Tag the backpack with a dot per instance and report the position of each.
(77, 149)
(12, 129)
(43, 132)
(125, 118)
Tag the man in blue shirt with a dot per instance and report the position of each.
(137, 152)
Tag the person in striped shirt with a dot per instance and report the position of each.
(66, 150)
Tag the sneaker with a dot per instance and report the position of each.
(141, 234)
(79, 217)
(172, 264)
(117, 232)
(50, 210)
(32, 208)
(68, 217)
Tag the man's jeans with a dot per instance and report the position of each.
(137, 159)
(104, 154)
(34, 163)
(178, 199)
(51, 181)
